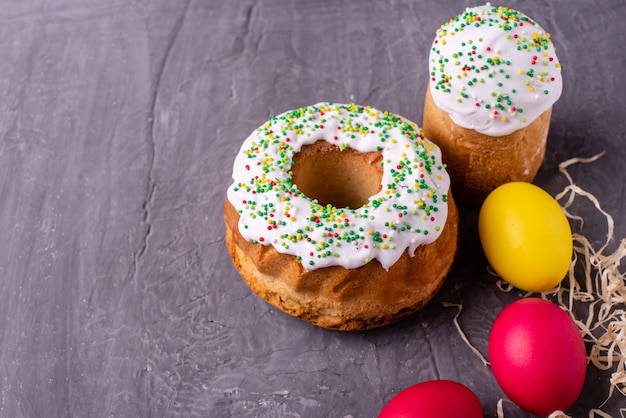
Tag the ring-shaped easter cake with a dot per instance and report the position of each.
(341, 215)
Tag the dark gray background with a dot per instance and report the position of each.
(119, 122)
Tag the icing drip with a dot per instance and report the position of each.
(410, 210)
(494, 70)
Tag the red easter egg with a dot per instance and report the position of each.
(434, 399)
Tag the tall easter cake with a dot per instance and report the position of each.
(494, 76)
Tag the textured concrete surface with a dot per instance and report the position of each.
(119, 122)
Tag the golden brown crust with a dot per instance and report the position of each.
(324, 172)
(340, 298)
(479, 163)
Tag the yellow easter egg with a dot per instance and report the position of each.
(525, 236)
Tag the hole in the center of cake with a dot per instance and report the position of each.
(345, 178)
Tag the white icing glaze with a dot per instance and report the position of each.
(409, 211)
(494, 70)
